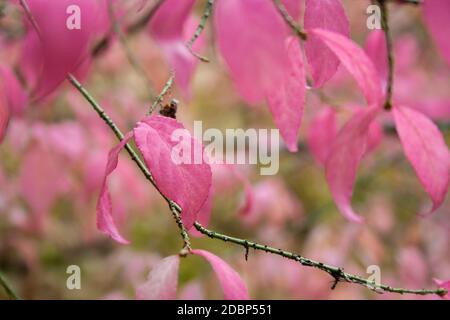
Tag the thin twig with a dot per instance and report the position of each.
(132, 29)
(8, 289)
(134, 62)
(163, 92)
(141, 23)
(184, 234)
(337, 273)
(198, 31)
(30, 17)
(290, 21)
(390, 54)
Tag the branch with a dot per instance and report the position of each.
(8, 289)
(132, 29)
(390, 53)
(163, 92)
(134, 62)
(198, 31)
(337, 273)
(290, 21)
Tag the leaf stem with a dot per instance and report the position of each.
(163, 92)
(290, 20)
(390, 54)
(199, 29)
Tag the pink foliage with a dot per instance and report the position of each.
(54, 50)
(232, 285)
(377, 52)
(162, 281)
(355, 61)
(16, 96)
(287, 99)
(437, 18)
(105, 219)
(171, 27)
(322, 133)
(426, 150)
(328, 15)
(252, 46)
(187, 183)
(344, 158)
(4, 113)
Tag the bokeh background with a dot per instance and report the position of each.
(53, 156)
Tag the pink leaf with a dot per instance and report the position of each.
(4, 113)
(377, 52)
(232, 285)
(322, 133)
(356, 62)
(426, 150)
(328, 15)
(174, 158)
(162, 281)
(345, 156)
(41, 187)
(292, 7)
(374, 136)
(437, 18)
(444, 285)
(62, 44)
(16, 95)
(171, 27)
(204, 215)
(250, 36)
(287, 99)
(105, 219)
(247, 205)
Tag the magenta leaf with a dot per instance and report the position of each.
(4, 113)
(426, 150)
(321, 134)
(162, 281)
(171, 27)
(355, 60)
(66, 28)
(105, 219)
(346, 153)
(444, 285)
(292, 7)
(328, 15)
(249, 197)
(250, 36)
(204, 215)
(15, 94)
(175, 160)
(376, 50)
(437, 18)
(40, 188)
(232, 285)
(287, 99)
